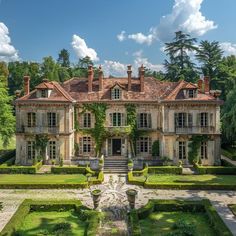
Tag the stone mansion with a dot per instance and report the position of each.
(170, 112)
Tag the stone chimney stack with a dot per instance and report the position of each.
(26, 85)
(100, 78)
(206, 84)
(90, 78)
(141, 75)
(200, 85)
(129, 72)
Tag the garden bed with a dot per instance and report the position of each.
(52, 218)
(206, 182)
(173, 217)
(217, 170)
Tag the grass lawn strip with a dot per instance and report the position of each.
(161, 223)
(36, 223)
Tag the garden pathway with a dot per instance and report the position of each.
(229, 160)
(114, 200)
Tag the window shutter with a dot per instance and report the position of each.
(80, 146)
(58, 119)
(150, 145)
(92, 120)
(176, 120)
(92, 147)
(211, 119)
(138, 120)
(111, 123)
(190, 120)
(122, 119)
(199, 119)
(138, 146)
(149, 120)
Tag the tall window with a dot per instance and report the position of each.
(87, 120)
(86, 144)
(204, 119)
(182, 150)
(183, 120)
(52, 149)
(204, 150)
(31, 119)
(144, 120)
(144, 145)
(52, 119)
(31, 150)
(117, 119)
(116, 93)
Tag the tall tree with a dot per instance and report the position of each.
(180, 65)
(7, 120)
(209, 54)
(64, 58)
(49, 69)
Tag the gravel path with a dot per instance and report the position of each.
(114, 199)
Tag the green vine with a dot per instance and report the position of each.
(76, 121)
(99, 131)
(41, 141)
(194, 146)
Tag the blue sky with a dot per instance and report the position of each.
(113, 33)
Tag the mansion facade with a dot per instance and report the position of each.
(170, 112)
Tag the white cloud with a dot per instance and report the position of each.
(228, 48)
(7, 51)
(186, 16)
(82, 50)
(121, 37)
(114, 68)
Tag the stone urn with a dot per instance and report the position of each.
(96, 194)
(131, 195)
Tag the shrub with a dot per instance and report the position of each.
(7, 155)
(217, 170)
(156, 148)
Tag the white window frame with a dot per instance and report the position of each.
(204, 119)
(52, 150)
(144, 120)
(30, 150)
(117, 119)
(116, 94)
(87, 120)
(144, 145)
(204, 150)
(182, 150)
(31, 119)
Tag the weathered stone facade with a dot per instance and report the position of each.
(171, 113)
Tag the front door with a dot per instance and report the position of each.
(116, 147)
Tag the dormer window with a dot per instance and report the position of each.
(190, 93)
(116, 94)
(43, 93)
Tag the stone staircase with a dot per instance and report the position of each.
(115, 165)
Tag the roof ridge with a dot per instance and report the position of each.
(62, 91)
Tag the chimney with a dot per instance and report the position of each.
(26, 85)
(129, 72)
(141, 75)
(200, 85)
(100, 78)
(206, 84)
(90, 78)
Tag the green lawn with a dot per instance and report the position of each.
(12, 144)
(192, 179)
(42, 179)
(232, 207)
(161, 223)
(43, 223)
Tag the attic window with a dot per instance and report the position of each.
(43, 93)
(191, 93)
(116, 94)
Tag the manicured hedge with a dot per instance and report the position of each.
(71, 170)
(4, 169)
(98, 179)
(92, 217)
(7, 155)
(215, 170)
(175, 170)
(178, 205)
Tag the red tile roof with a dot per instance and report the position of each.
(154, 90)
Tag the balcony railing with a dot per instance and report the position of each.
(195, 130)
(39, 130)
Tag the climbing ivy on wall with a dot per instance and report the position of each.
(99, 131)
(194, 146)
(41, 141)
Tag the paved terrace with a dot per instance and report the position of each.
(114, 199)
